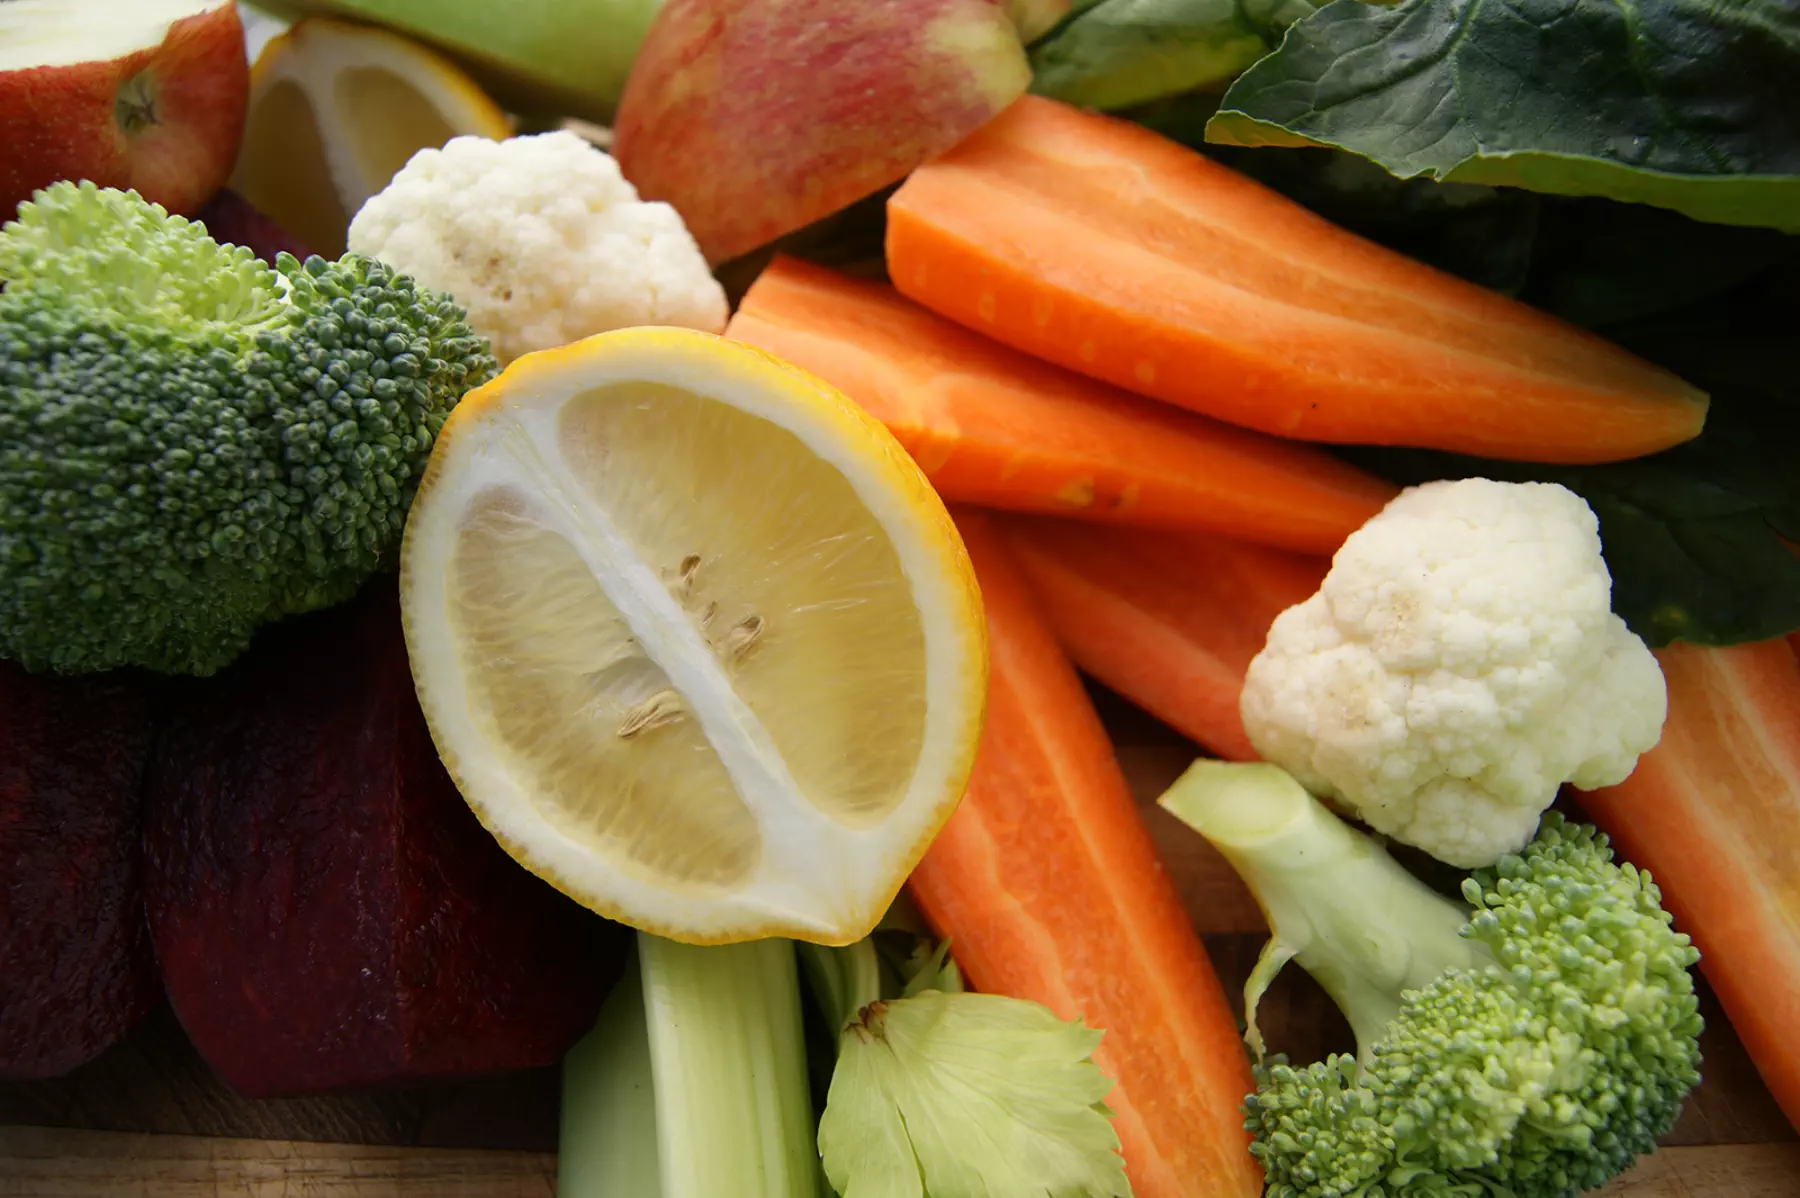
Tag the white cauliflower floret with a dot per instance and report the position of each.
(541, 239)
(1460, 663)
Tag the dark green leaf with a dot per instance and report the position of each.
(1121, 53)
(1698, 539)
(1602, 264)
(1742, 343)
(1691, 536)
(1180, 118)
(1692, 105)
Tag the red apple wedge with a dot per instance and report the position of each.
(754, 118)
(144, 94)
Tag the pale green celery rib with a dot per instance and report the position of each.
(693, 1082)
(823, 970)
(607, 1146)
(733, 1113)
(844, 980)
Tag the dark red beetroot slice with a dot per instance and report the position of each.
(76, 970)
(230, 218)
(326, 910)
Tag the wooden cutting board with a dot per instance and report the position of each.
(47, 1163)
(149, 1120)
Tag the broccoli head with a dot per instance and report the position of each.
(194, 443)
(1531, 1043)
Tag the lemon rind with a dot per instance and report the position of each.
(893, 489)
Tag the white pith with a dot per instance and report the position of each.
(313, 57)
(815, 876)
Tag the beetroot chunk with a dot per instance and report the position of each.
(230, 219)
(327, 911)
(76, 972)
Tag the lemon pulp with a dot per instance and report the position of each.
(687, 644)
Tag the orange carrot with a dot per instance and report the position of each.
(1169, 620)
(1047, 887)
(1713, 812)
(1104, 247)
(994, 427)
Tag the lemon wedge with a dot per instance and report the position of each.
(694, 636)
(336, 109)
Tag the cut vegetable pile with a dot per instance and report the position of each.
(633, 611)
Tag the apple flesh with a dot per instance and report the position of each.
(754, 118)
(141, 94)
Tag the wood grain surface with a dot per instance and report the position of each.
(1737, 1171)
(45, 1163)
(148, 1119)
(52, 1163)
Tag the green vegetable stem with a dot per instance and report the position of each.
(1530, 1041)
(693, 1083)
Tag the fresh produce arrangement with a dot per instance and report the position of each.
(581, 532)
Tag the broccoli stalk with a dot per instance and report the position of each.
(1530, 1042)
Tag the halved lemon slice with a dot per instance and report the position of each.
(694, 636)
(336, 109)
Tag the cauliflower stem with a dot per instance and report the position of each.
(1528, 1042)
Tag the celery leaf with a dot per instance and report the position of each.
(968, 1096)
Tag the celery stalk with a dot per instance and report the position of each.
(693, 1082)
(844, 980)
(608, 1138)
(733, 1115)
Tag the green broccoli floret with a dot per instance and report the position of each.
(1531, 1044)
(193, 443)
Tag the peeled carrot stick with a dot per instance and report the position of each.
(1169, 620)
(1047, 887)
(994, 427)
(1713, 812)
(1104, 247)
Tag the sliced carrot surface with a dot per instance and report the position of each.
(1169, 620)
(1047, 886)
(997, 428)
(1713, 812)
(1102, 246)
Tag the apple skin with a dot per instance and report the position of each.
(754, 118)
(165, 120)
